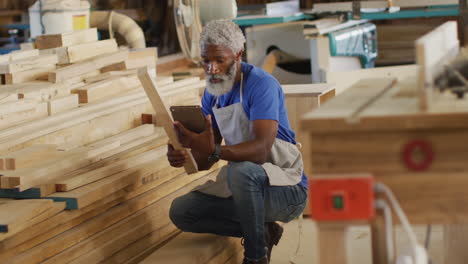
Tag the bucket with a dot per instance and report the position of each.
(56, 17)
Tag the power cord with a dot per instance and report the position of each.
(300, 220)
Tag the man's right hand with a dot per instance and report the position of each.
(176, 158)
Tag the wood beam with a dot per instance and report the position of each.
(164, 117)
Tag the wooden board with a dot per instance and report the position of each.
(90, 65)
(103, 172)
(30, 75)
(345, 80)
(191, 248)
(66, 39)
(142, 248)
(20, 134)
(131, 64)
(62, 104)
(433, 50)
(30, 156)
(21, 223)
(22, 54)
(92, 192)
(29, 177)
(14, 211)
(13, 119)
(28, 63)
(90, 50)
(164, 193)
(106, 88)
(137, 58)
(109, 74)
(164, 116)
(39, 91)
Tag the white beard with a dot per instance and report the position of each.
(226, 85)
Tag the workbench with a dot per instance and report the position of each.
(415, 145)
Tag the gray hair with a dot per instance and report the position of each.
(222, 32)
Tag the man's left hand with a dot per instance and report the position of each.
(203, 142)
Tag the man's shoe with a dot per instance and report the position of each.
(273, 233)
(264, 260)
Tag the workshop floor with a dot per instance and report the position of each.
(358, 242)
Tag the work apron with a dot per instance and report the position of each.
(284, 164)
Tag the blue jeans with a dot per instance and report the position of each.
(253, 202)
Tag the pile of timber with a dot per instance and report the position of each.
(83, 179)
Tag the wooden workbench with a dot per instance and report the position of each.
(368, 128)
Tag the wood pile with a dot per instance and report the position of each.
(82, 179)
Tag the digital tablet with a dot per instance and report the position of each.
(191, 116)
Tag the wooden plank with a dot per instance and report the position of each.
(345, 80)
(62, 104)
(164, 116)
(233, 253)
(30, 75)
(332, 243)
(24, 223)
(66, 39)
(104, 89)
(30, 177)
(22, 54)
(28, 63)
(95, 175)
(41, 91)
(311, 90)
(45, 230)
(141, 249)
(164, 194)
(433, 50)
(17, 106)
(13, 119)
(92, 64)
(137, 58)
(351, 101)
(15, 211)
(167, 64)
(125, 151)
(29, 156)
(109, 74)
(380, 239)
(127, 237)
(455, 238)
(143, 53)
(190, 248)
(130, 135)
(89, 50)
(88, 194)
(382, 151)
(20, 134)
(131, 64)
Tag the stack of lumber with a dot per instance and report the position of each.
(85, 180)
(198, 249)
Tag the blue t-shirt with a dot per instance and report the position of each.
(263, 98)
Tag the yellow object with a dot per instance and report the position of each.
(80, 22)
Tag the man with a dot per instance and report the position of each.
(264, 180)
